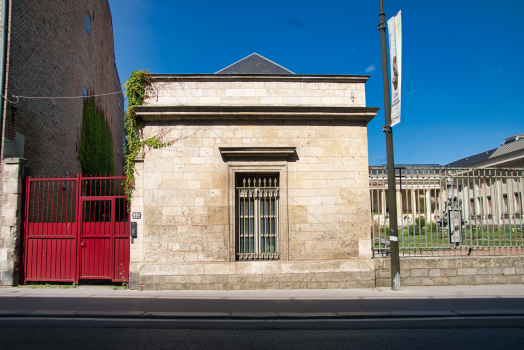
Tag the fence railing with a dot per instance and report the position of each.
(450, 211)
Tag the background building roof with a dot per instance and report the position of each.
(511, 144)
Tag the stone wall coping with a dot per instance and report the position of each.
(15, 161)
(454, 257)
(361, 115)
(297, 78)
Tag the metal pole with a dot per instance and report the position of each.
(392, 191)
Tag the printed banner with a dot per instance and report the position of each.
(395, 57)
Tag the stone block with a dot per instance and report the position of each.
(217, 215)
(419, 272)
(508, 271)
(493, 279)
(512, 279)
(467, 272)
(295, 267)
(434, 272)
(449, 272)
(182, 279)
(353, 266)
(490, 271)
(258, 267)
(364, 249)
(324, 266)
(219, 269)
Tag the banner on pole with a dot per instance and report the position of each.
(395, 57)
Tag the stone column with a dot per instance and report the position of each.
(383, 204)
(399, 207)
(428, 205)
(11, 229)
(413, 204)
(137, 205)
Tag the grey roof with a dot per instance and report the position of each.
(505, 148)
(254, 64)
(508, 148)
(471, 159)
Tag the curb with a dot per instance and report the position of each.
(143, 315)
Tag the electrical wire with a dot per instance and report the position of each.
(58, 97)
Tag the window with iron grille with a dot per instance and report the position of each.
(257, 212)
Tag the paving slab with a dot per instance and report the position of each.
(490, 312)
(364, 314)
(254, 315)
(110, 314)
(7, 313)
(423, 313)
(188, 315)
(307, 315)
(53, 313)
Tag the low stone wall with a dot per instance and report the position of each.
(357, 273)
(449, 271)
(259, 275)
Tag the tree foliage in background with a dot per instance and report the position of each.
(96, 153)
(135, 143)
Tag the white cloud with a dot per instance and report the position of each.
(370, 68)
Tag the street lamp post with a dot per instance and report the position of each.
(392, 190)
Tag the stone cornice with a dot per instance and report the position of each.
(165, 113)
(257, 151)
(294, 78)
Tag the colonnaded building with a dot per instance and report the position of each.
(265, 186)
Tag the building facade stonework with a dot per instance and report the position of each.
(211, 217)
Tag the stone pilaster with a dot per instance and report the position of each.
(11, 232)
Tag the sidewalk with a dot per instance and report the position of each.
(412, 302)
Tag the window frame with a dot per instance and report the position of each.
(257, 196)
(237, 168)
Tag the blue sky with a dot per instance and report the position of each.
(463, 75)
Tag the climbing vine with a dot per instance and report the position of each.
(96, 154)
(135, 144)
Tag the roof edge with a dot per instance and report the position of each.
(305, 78)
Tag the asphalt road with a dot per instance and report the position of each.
(487, 333)
(235, 305)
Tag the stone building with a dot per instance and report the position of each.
(52, 49)
(265, 186)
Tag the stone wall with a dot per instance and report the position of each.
(187, 91)
(448, 271)
(186, 192)
(12, 171)
(260, 275)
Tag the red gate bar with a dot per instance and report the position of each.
(57, 229)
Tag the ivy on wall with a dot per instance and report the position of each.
(96, 154)
(135, 144)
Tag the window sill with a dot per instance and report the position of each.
(257, 256)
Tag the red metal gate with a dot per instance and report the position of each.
(76, 229)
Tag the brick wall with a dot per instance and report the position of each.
(50, 53)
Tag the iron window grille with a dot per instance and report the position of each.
(257, 199)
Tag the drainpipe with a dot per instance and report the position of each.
(3, 61)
